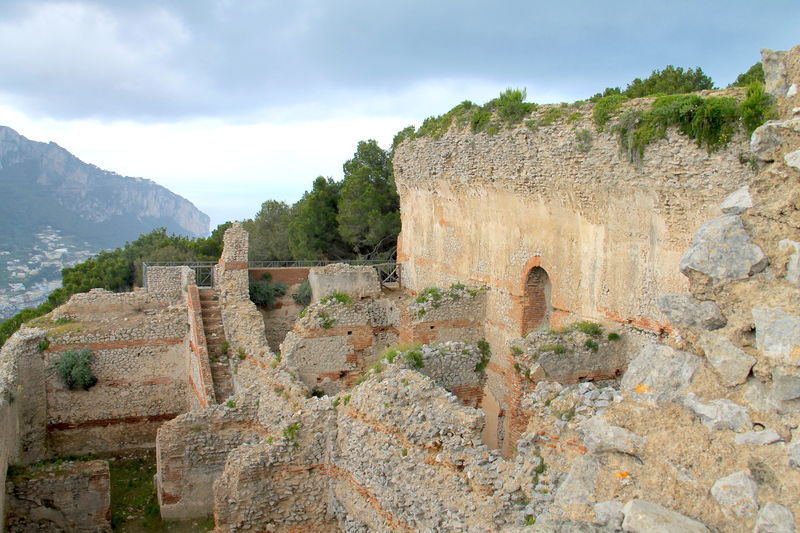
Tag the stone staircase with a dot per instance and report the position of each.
(215, 337)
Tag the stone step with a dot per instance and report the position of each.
(222, 381)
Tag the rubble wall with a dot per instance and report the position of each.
(197, 363)
(70, 496)
(139, 360)
(22, 404)
(335, 342)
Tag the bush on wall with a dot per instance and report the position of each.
(75, 370)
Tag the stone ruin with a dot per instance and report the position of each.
(624, 357)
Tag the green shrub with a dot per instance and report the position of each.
(613, 336)
(516, 350)
(590, 328)
(303, 313)
(575, 116)
(430, 294)
(414, 359)
(552, 115)
(290, 431)
(337, 296)
(757, 107)
(230, 404)
(240, 353)
(583, 138)
(43, 345)
(605, 108)
(530, 520)
(223, 347)
(325, 320)
(265, 293)
(592, 345)
(711, 122)
(511, 106)
(557, 348)
(303, 294)
(74, 369)
(486, 355)
(389, 354)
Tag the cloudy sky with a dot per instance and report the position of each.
(232, 102)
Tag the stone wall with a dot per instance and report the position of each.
(22, 404)
(604, 235)
(356, 281)
(139, 350)
(335, 342)
(167, 283)
(198, 365)
(454, 314)
(68, 496)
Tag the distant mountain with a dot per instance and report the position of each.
(53, 203)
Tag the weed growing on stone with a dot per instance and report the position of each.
(557, 348)
(613, 336)
(223, 347)
(43, 345)
(592, 345)
(346, 399)
(240, 353)
(389, 354)
(530, 520)
(337, 296)
(303, 313)
(230, 404)
(516, 350)
(583, 138)
(278, 356)
(325, 320)
(336, 402)
(290, 431)
(552, 115)
(414, 359)
(590, 328)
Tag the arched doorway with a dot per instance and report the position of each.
(536, 300)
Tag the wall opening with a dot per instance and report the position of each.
(536, 300)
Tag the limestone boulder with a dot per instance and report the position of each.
(774, 518)
(601, 437)
(792, 159)
(646, 517)
(777, 335)
(717, 414)
(792, 250)
(776, 79)
(737, 202)
(736, 494)
(685, 310)
(785, 385)
(731, 363)
(579, 484)
(769, 140)
(794, 455)
(758, 438)
(722, 250)
(659, 373)
(609, 513)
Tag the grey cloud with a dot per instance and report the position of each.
(181, 59)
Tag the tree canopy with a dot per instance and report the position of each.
(369, 208)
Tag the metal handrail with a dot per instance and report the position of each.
(392, 275)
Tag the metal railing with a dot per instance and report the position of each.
(389, 273)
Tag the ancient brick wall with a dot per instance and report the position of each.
(70, 496)
(139, 360)
(22, 404)
(334, 342)
(356, 281)
(457, 315)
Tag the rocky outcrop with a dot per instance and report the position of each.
(72, 189)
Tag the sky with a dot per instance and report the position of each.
(232, 102)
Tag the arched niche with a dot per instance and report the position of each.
(536, 307)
